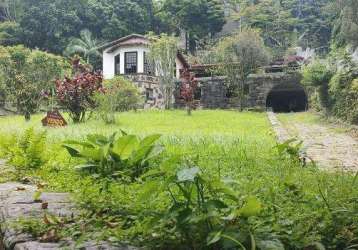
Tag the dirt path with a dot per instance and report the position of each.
(330, 149)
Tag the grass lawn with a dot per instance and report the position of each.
(287, 206)
(202, 123)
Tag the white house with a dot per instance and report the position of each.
(128, 56)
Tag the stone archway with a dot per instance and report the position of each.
(287, 98)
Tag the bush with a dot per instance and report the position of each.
(76, 94)
(26, 151)
(119, 95)
(317, 76)
(124, 156)
(26, 74)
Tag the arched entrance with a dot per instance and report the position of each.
(287, 98)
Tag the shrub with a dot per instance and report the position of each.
(76, 94)
(203, 213)
(25, 151)
(119, 95)
(26, 74)
(317, 75)
(114, 157)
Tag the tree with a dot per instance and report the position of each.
(318, 75)
(86, 45)
(284, 24)
(276, 24)
(26, 74)
(49, 25)
(9, 33)
(163, 52)
(187, 90)
(239, 56)
(10, 10)
(346, 25)
(76, 94)
(199, 18)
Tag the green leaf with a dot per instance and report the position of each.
(96, 139)
(213, 238)
(125, 146)
(188, 174)
(270, 245)
(155, 151)
(92, 153)
(150, 140)
(79, 143)
(252, 207)
(215, 204)
(72, 151)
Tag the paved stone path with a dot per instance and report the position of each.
(329, 149)
(17, 201)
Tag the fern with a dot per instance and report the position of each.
(25, 151)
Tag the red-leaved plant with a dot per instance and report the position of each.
(76, 94)
(187, 89)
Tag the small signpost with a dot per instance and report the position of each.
(54, 119)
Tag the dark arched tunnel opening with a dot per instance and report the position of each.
(287, 99)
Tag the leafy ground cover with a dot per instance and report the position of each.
(219, 183)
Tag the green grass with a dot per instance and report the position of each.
(301, 206)
(202, 123)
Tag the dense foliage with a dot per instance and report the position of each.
(290, 23)
(76, 93)
(333, 84)
(119, 95)
(26, 74)
(239, 56)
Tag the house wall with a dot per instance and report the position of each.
(179, 67)
(108, 59)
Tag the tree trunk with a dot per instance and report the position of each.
(27, 116)
(188, 109)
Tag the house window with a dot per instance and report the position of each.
(117, 64)
(131, 59)
(148, 66)
(149, 94)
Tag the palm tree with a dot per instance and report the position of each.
(86, 45)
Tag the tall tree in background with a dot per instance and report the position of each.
(199, 18)
(239, 56)
(49, 25)
(346, 26)
(111, 19)
(288, 23)
(163, 52)
(86, 46)
(277, 24)
(10, 10)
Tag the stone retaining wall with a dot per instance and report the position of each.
(214, 91)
